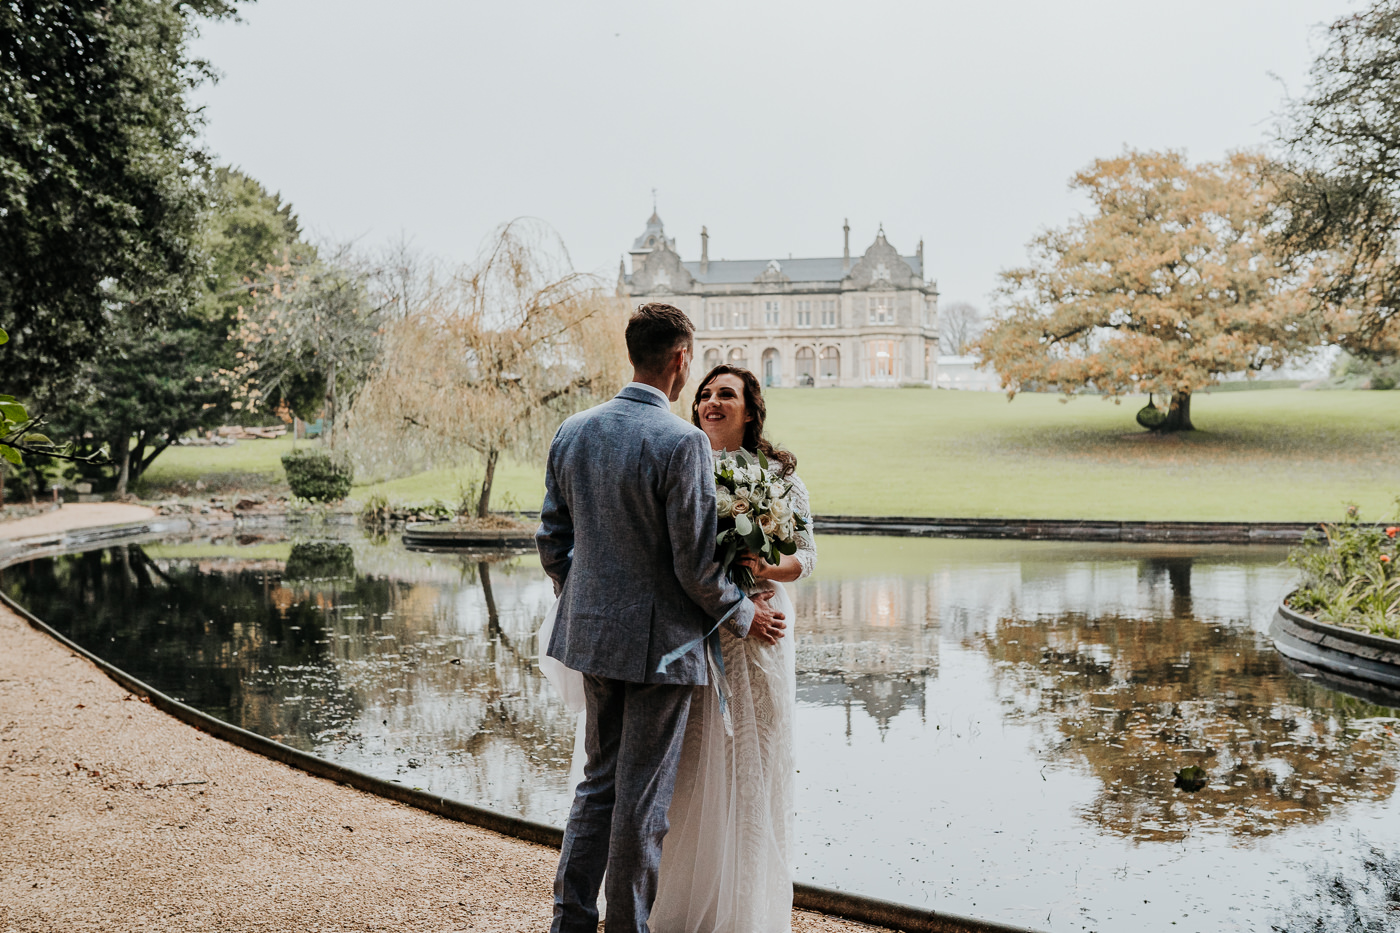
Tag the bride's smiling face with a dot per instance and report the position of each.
(722, 411)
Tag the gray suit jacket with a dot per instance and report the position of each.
(627, 533)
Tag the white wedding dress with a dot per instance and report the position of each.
(726, 864)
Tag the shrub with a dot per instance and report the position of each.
(316, 476)
(1349, 576)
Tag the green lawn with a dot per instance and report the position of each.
(1280, 455)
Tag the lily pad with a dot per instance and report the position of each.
(1192, 778)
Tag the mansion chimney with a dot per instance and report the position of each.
(704, 251)
(846, 255)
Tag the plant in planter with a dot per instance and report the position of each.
(1350, 576)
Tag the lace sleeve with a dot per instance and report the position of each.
(806, 543)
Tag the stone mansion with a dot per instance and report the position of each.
(798, 322)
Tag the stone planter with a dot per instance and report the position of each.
(450, 536)
(1363, 665)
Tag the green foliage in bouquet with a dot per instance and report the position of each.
(316, 476)
(1349, 576)
(755, 514)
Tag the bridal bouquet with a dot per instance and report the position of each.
(756, 515)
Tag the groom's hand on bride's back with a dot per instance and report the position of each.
(767, 625)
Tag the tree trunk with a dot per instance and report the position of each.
(1178, 414)
(493, 618)
(122, 454)
(483, 504)
(143, 462)
(328, 429)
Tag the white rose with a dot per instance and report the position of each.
(767, 523)
(739, 507)
(782, 510)
(724, 502)
(788, 529)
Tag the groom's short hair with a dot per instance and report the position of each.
(654, 332)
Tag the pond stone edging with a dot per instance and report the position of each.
(806, 897)
(1056, 529)
(435, 535)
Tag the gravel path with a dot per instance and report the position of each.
(75, 515)
(116, 817)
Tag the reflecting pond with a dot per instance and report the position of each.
(988, 728)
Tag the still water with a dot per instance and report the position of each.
(986, 728)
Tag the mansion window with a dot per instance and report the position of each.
(718, 319)
(829, 313)
(739, 314)
(831, 363)
(770, 315)
(881, 310)
(803, 315)
(806, 365)
(737, 358)
(711, 359)
(881, 363)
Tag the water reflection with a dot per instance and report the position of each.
(970, 713)
(1138, 699)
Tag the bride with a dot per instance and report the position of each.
(726, 864)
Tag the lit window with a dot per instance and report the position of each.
(739, 312)
(881, 362)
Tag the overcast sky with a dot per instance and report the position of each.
(769, 122)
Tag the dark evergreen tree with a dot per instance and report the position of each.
(102, 192)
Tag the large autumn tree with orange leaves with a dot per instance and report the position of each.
(1170, 281)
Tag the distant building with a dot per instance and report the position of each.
(798, 322)
(962, 372)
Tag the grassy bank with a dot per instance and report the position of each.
(1280, 455)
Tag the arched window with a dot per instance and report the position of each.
(711, 359)
(772, 368)
(831, 364)
(806, 366)
(738, 358)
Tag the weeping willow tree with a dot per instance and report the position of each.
(488, 361)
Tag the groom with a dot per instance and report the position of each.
(627, 533)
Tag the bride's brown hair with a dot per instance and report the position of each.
(753, 404)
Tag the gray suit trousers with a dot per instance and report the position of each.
(633, 741)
